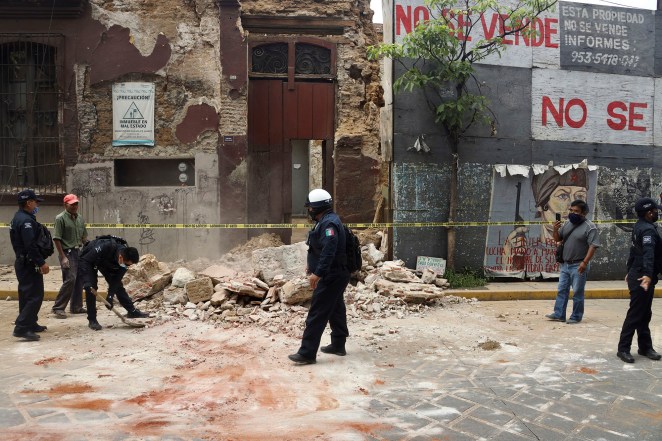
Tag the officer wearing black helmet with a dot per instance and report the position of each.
(111, 256)
(328, 276)
(644, 264)
(30, 265)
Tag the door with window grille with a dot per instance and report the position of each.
(30, 109)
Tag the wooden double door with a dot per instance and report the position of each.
(279, 114)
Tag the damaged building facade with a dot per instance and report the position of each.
(190, 112)
(576, 118)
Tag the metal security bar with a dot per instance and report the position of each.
(31, 71)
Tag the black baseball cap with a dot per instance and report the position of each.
(26, 195)
(645, 204)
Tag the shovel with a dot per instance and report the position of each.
(117, 313)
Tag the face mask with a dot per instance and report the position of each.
(123, 265)
(575, 218)
(36, 210)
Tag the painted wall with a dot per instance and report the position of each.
(582, 92)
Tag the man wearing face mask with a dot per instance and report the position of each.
(328, 275)
(30, 265)
(644, 264)
(110, 255)
(580, 240)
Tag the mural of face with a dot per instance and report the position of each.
(559, 202)
(554, 192)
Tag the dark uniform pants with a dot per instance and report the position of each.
(638, 316)
(115, 288)
(328, 306)
(72, 286)
(30, 294)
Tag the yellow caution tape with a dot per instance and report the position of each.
(352, 225)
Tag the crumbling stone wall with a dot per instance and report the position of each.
(201, 98)
(360, 172)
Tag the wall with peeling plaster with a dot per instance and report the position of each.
(421, 180)
(188, 48)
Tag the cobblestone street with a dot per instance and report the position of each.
(487, 370)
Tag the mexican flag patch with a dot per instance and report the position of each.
(329, 232)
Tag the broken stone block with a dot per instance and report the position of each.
(219, 297)
(218, 273)
(199, 290)
(428, 276)
(181, 277)
(246, 288)
(147, 277)
(371, 255)
(175, 295)
(288, 260)
(296, 291)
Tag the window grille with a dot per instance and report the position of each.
(30, 113)
(310, 60)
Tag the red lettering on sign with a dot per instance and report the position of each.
(549, 31)
(538, 36)
(405, 19)
(503, 28)
(572, 123)
(627, 116)
(618, 121)
(493, 25)
(488, 31)
(562, 113)
(557, 114)
(636, 116)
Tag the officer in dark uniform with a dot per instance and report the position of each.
(644, 264)
(30, 265)
(329, 276)
(110, 256)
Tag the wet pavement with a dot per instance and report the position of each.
(469, 371)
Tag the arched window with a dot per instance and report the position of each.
(303, 59)
(312, 59)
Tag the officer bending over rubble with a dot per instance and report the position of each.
(110, 255)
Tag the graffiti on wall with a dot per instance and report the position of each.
(532, 194)
(618, 190)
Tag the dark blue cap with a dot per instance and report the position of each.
(26, 195)
(645, 204)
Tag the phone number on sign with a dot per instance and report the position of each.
(606, 59)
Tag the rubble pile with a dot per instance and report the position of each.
(276, 295)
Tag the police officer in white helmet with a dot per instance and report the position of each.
(328, 275)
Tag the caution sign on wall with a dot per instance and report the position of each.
(133, 114)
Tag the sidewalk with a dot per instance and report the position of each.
(524, 290)
(528, 290)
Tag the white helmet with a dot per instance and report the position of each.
(319, 198)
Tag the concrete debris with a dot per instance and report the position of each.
(181, 277)
(296, 291)
(147, 277)
(276, 295)
(288, 261)
(199, 290)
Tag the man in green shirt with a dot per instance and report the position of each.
(69, 235)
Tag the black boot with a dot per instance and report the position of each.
(336, 350)
(137, 313)
(28, 335)
(93, 324)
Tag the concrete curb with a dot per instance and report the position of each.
(536, 294)
(484, 294)
(48, 295)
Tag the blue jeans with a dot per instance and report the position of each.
(570, 277)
